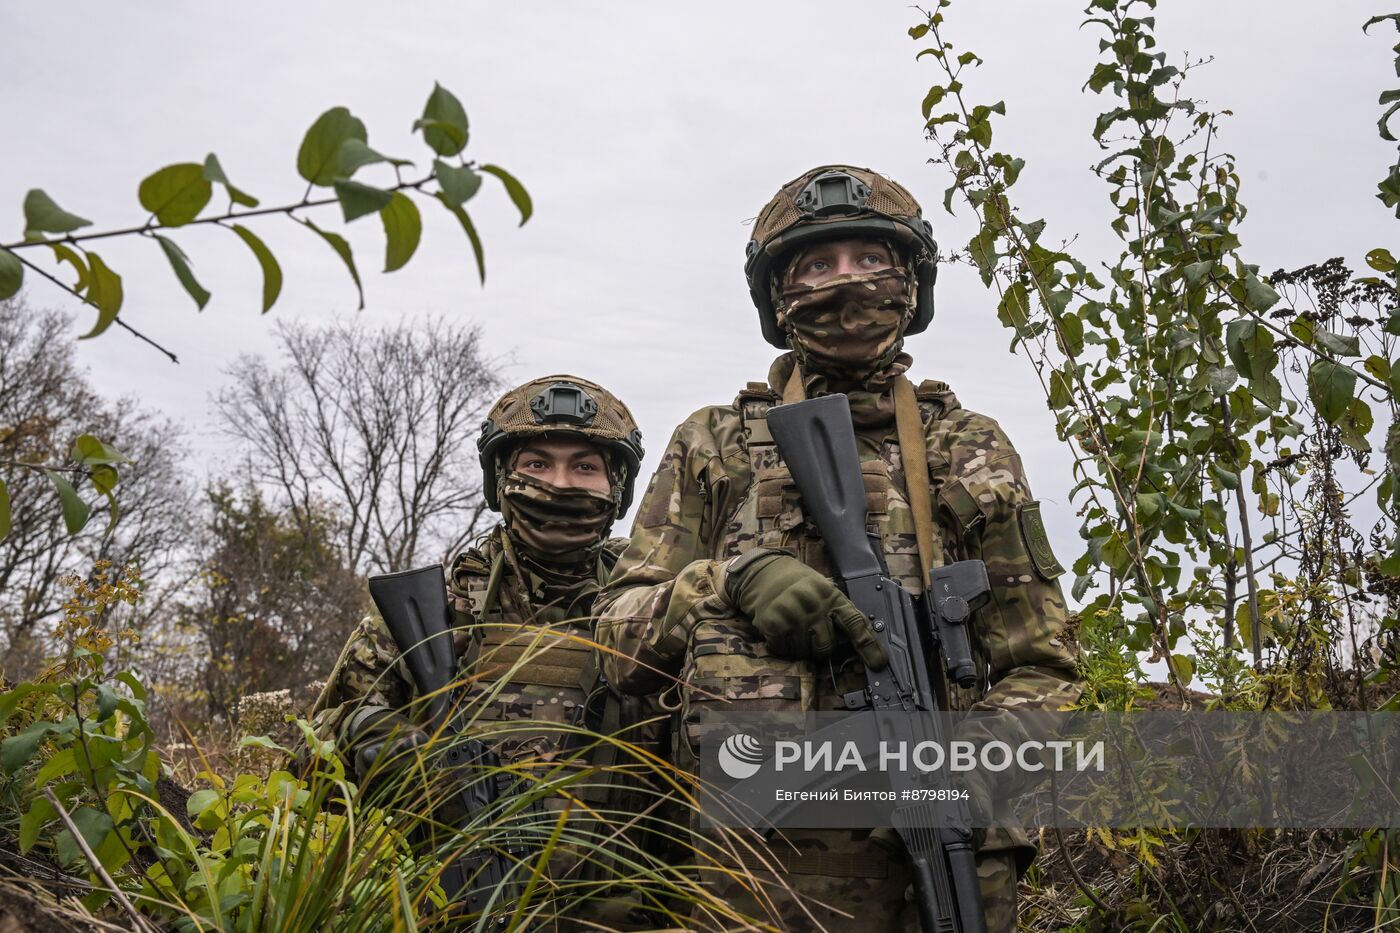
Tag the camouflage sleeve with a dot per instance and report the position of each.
(665, 580)
(367, 675)
(994, 518)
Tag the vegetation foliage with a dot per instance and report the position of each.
(1236, 456)
(333, 151)
(1234, 432)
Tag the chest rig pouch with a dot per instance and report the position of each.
(728, 669)
(539, 670)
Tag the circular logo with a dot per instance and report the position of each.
(741, 755)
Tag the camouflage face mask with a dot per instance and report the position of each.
(849, 326)
(552, 521)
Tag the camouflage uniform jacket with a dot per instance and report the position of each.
(721, 490)
(522, 647)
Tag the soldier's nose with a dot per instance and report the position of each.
(845, 265)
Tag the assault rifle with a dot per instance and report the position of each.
(817, 441)
(414, 606)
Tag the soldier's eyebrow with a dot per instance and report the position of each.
(538, 452)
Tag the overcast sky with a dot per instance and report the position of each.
(649, 135)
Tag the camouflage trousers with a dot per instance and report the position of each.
(838, 884)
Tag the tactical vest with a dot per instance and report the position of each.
(726, 669)
(725, 663)
(541, 669)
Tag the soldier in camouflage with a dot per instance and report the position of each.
(724, 594)
(559, 458)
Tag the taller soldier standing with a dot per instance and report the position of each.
(724, 594)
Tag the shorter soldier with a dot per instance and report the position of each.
(559, 457)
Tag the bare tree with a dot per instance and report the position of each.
(46, 402)
(269, 609)
(381, 422)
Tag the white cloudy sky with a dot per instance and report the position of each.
(648, 135)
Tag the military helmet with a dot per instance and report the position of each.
(562, 404)
(835, 201)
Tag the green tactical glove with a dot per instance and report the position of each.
(384, 738)
(797, 610)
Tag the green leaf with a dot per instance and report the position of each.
(271, 270)
(181, 264)
(470, 229)
(1381, 260)
(75, 510)
(64, 254)
(1196, 272)
(932, 99)
(403, 228)
(42, 215)
(1340, 344)
(518, 195)
(357, 200)
(318, 160)
(104, 293)
(16, 751)
(262, 741)
(138, 689)
(1104, 74)
(1227, 478)
(1378, 366)
(1258, 294)
(60, 764)
(200, 801)
(1356, 424)
(1268, 390)
(11, 274)
(1185, 667)
(40, 812)
(214, 172)
(5, 522)
(1389, 189)
(1221, 378)
(355, 154)
(1331, 387)
(93, 825)
(104, 479)
(1015, 307)
(342, 249)
(444, 122)
(982, 248)
(1250, 347)
(458, 184)
(1071, 334)
(1383, 124)
(88, 450)
(176, 194)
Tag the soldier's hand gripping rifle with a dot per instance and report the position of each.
(413, 604)
(817, 441)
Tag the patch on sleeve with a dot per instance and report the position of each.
(1038, 541)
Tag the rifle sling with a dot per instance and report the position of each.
(913, 454)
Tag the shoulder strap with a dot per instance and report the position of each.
(794, 391)
(753, 404)
(912, 452)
